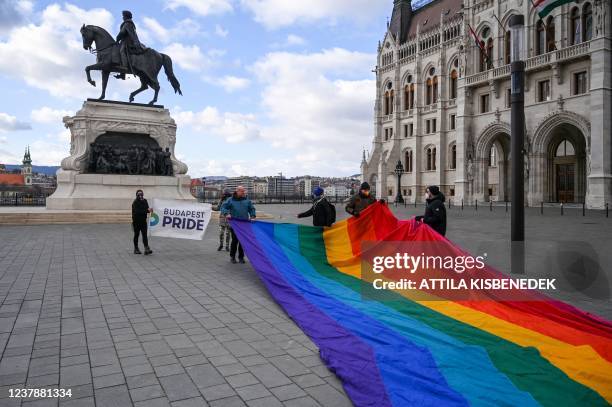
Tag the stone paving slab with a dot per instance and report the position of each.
(180, 328)
(184, 327)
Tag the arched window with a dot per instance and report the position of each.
(550, 34)
(482, 66)
(490, 53)
(387, 103)
(435, 89)
(493, 156)
(507, 47)
(587, 22)
(575, 26)
(391, 101)
(409, 94)
(565, 149)
(453, 157)
(453, 84)
(408, 161)
(431, 159)
(540, 38)
(431, 87)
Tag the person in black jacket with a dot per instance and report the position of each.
(322, 212)
(435, 212)
(140, 209)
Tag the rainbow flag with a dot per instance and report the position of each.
(407, 352)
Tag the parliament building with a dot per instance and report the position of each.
(443, 102)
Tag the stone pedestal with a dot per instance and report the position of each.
(78, 190)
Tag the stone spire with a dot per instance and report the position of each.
(400, 20)
(27, 159)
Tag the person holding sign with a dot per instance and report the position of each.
(238, 206)
(140, 209)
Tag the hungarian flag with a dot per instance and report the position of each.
(480, 44)
(544, 7)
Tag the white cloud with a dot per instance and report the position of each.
(48, 115)
(3, 140)
(188, 57)
(49, 55)
(320, 107)
(281, 13)
(229, 83)
(10, 123)
(202, 7)
(14, 13)
(232, 127)
(292, 40)
(49, 153)
(186, 28)
(220, 31)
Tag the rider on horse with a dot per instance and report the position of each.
(130, 44)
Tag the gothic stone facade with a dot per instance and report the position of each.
(443, 107)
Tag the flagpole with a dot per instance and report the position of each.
(479, 45)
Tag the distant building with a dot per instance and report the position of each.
(234, 182)
(307, 184)
(341, 191)
(260, 187)
(197, 187)
(280, 186)
(24, 183)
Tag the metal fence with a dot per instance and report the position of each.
(23, 200)
(274, 199)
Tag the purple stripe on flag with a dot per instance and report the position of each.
(348, 356)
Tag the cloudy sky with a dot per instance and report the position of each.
(268, 85)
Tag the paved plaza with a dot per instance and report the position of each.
(186, 328)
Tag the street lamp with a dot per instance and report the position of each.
(517, 136)
(399, 170)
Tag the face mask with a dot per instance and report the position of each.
(366, 192)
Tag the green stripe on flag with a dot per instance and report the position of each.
(550, 7)
(524, 366)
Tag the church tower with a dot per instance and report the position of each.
(400, 20)
(26, 168)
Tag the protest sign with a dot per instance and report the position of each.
(179, 219)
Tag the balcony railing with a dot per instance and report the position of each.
(536, 62)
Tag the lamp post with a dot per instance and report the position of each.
(399, 170)
(517, 136)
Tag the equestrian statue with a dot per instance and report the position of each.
(126, 55)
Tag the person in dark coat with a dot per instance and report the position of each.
(360, 201)
(322, 211)
(225, 230)
(435, 212)
(140, 209)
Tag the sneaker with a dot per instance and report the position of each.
(137, 251)
(220, 248)
(241, 261)
(233, 260)
(148, 251)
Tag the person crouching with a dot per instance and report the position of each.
(435, 212)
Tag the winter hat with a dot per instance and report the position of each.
(434, 189)
(318, 191)
(364, 186)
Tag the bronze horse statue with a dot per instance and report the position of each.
(146, 65)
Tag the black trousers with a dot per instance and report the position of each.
(235, 245)
(140, 227)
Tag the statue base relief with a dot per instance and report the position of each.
(123, 126)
